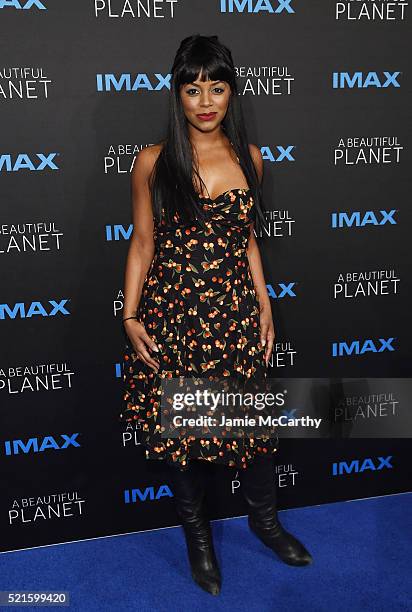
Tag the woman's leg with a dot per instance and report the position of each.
(259, 489)
(188, 488)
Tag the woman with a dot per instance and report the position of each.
(195, 298)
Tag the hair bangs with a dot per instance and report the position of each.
(210, 68)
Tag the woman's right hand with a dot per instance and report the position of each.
(142, 342)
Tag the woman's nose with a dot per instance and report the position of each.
(205, 99)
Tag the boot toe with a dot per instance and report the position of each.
(295, 552)
(300, 559)
(288, 548)
(210, 584)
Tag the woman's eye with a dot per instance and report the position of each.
(192, 91)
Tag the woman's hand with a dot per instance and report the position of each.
(142, 343)
(267, 331)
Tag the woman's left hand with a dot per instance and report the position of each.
(267, 331)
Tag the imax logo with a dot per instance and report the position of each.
(39, 445)
(21, 311)
(149, 493)
(118, 232)
(358, 465)
(255, 6)
(360, 347)
(22, 5)
(284, 290)
(360, 219)
(23, 161)
(284, 154)
(109, 82)
(342, 80)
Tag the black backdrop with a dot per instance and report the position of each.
(326, 94)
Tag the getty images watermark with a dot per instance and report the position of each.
(235, 407)
(223, 409)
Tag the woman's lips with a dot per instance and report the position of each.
(206, 116)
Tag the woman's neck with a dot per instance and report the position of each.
(205, 140)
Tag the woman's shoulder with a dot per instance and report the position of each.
(257, 158)
(255, 152)
(146, 158)
(152, 151)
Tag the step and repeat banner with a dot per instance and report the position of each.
(84, 86)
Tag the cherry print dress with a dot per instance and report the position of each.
(199, 305)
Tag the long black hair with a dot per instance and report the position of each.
(172, 185)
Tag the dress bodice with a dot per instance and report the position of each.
(228, 215)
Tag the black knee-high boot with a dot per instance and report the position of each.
(188, 492)
(259, 489)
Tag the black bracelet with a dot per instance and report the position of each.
(127, 318)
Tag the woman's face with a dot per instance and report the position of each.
(205, 103)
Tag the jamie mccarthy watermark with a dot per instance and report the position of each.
(235, 407)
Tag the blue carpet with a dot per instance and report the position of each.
(361, 553)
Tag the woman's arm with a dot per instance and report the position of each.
(141, 252)
(267, 331)
(141, 248)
